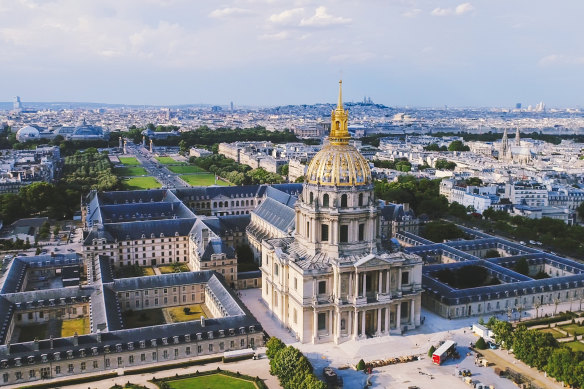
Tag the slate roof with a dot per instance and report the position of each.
(136, 230)
(277, 214)
(161, 281)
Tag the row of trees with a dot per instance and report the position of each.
(293, 369)
(443, 164)
(540, 350)
(236, 173)
(401, 164)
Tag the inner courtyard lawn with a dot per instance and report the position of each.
(30, 332)
(571, 328)
(178, 268)
(70, 327)
(148, 271)
(211, 381)
(140, 183)
(185, 169)
(144, 318)
(205, 179)
(132, 161)
(555, 334)
(196, 311)
(130, 171)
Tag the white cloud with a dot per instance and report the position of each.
(463, 8)
(287, 16)
(412, 13)
(460, 9)
(276, 36)
(228, 11)
(321, 19)
(560, 59)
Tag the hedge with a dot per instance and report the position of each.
(72, 381)
(548, 320)
(154, 368)
(259, 383)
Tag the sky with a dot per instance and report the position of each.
(418, 53)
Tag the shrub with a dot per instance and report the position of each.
(481, 344)
(361, 365)
(431, 351)
(187, 310)
(273, 345)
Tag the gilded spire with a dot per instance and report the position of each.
(339, 122)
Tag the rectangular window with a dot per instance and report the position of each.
(95, 365)
(131, 359)
(242, 343)
(210, 348)
(154, 356)
(221, 346)
(324, 232)
(18, 375)
(405, 278)
(344, 234)
(199, 349)
(321, 321)
(83, 366)
(308, 229)
(188, 351)
(70, 368)
(120, 361)
(361, 232)
(107, 362)
(321, 287)
(295, 283)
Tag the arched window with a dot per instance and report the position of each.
(325, 200)
(311, 197)
(360, 199)
(344, 201)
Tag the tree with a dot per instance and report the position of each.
(522, 266)
(439, 231)
(474, 181)
(503, 331)
(361, 365)
(273, 345)
(458, 145)
(299, 179)
(431, 351)
(287, 362)
(492, 253)
(442, 164)
(481, 344)
(580, 210)
(183, 147)
(283, 170)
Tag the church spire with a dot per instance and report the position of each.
(339, 122)
(517, 138)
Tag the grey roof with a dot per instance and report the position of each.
(277, 214)
(161, 281)
(144, 211)
(244, 275)
(141, 230)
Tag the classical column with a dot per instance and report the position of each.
(380, 283)
(338, 322)
(350, 284)
(399, 276)
(314, 286)
(412, 313)
(378, 321)
(339, 281)
(364, 284)
(315, 326)
(349, 323)
(363, 322)
(398, 317)
(387, 275)
(356, 283)
(355, 323)
(387, 309)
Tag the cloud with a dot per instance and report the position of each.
(279, 36)
(460, 9)
(412, 13)
(322, 19)
(286, 16)
(228, 11)
(561, 59)
(463, 8)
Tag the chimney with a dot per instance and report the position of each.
(202, 321)
(98, 336)
(75, 339)
(406, 207)
(36, 344)
(8, 348)
(51, 341)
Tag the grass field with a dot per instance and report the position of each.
(575, 346)
(212, 381)
(138, 183)
(571, 328)
(167, 160)
(185, 169)
(181, 268)
(555, 334)
(178, 313)
(144, 318)
(148, 271)
(131, 171)
(30, 332)
(131, 161)
(203, 180)
(69, 327)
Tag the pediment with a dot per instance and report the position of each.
(371, 260)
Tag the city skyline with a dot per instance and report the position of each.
(265, 53)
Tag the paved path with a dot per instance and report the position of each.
(504, 360)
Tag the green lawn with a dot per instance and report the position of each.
(30, 332)
(138, 183)
(555, 334)
(144, 318)
(185, 169)
(148, 271)
(178, 314)
(571, 328)
(70, 327)
(129, 161)
(203, 180)
(179, 268)
(213, 381)
(167, 160)
(130, 171)
(575, 346)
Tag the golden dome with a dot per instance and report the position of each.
(339, 163)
